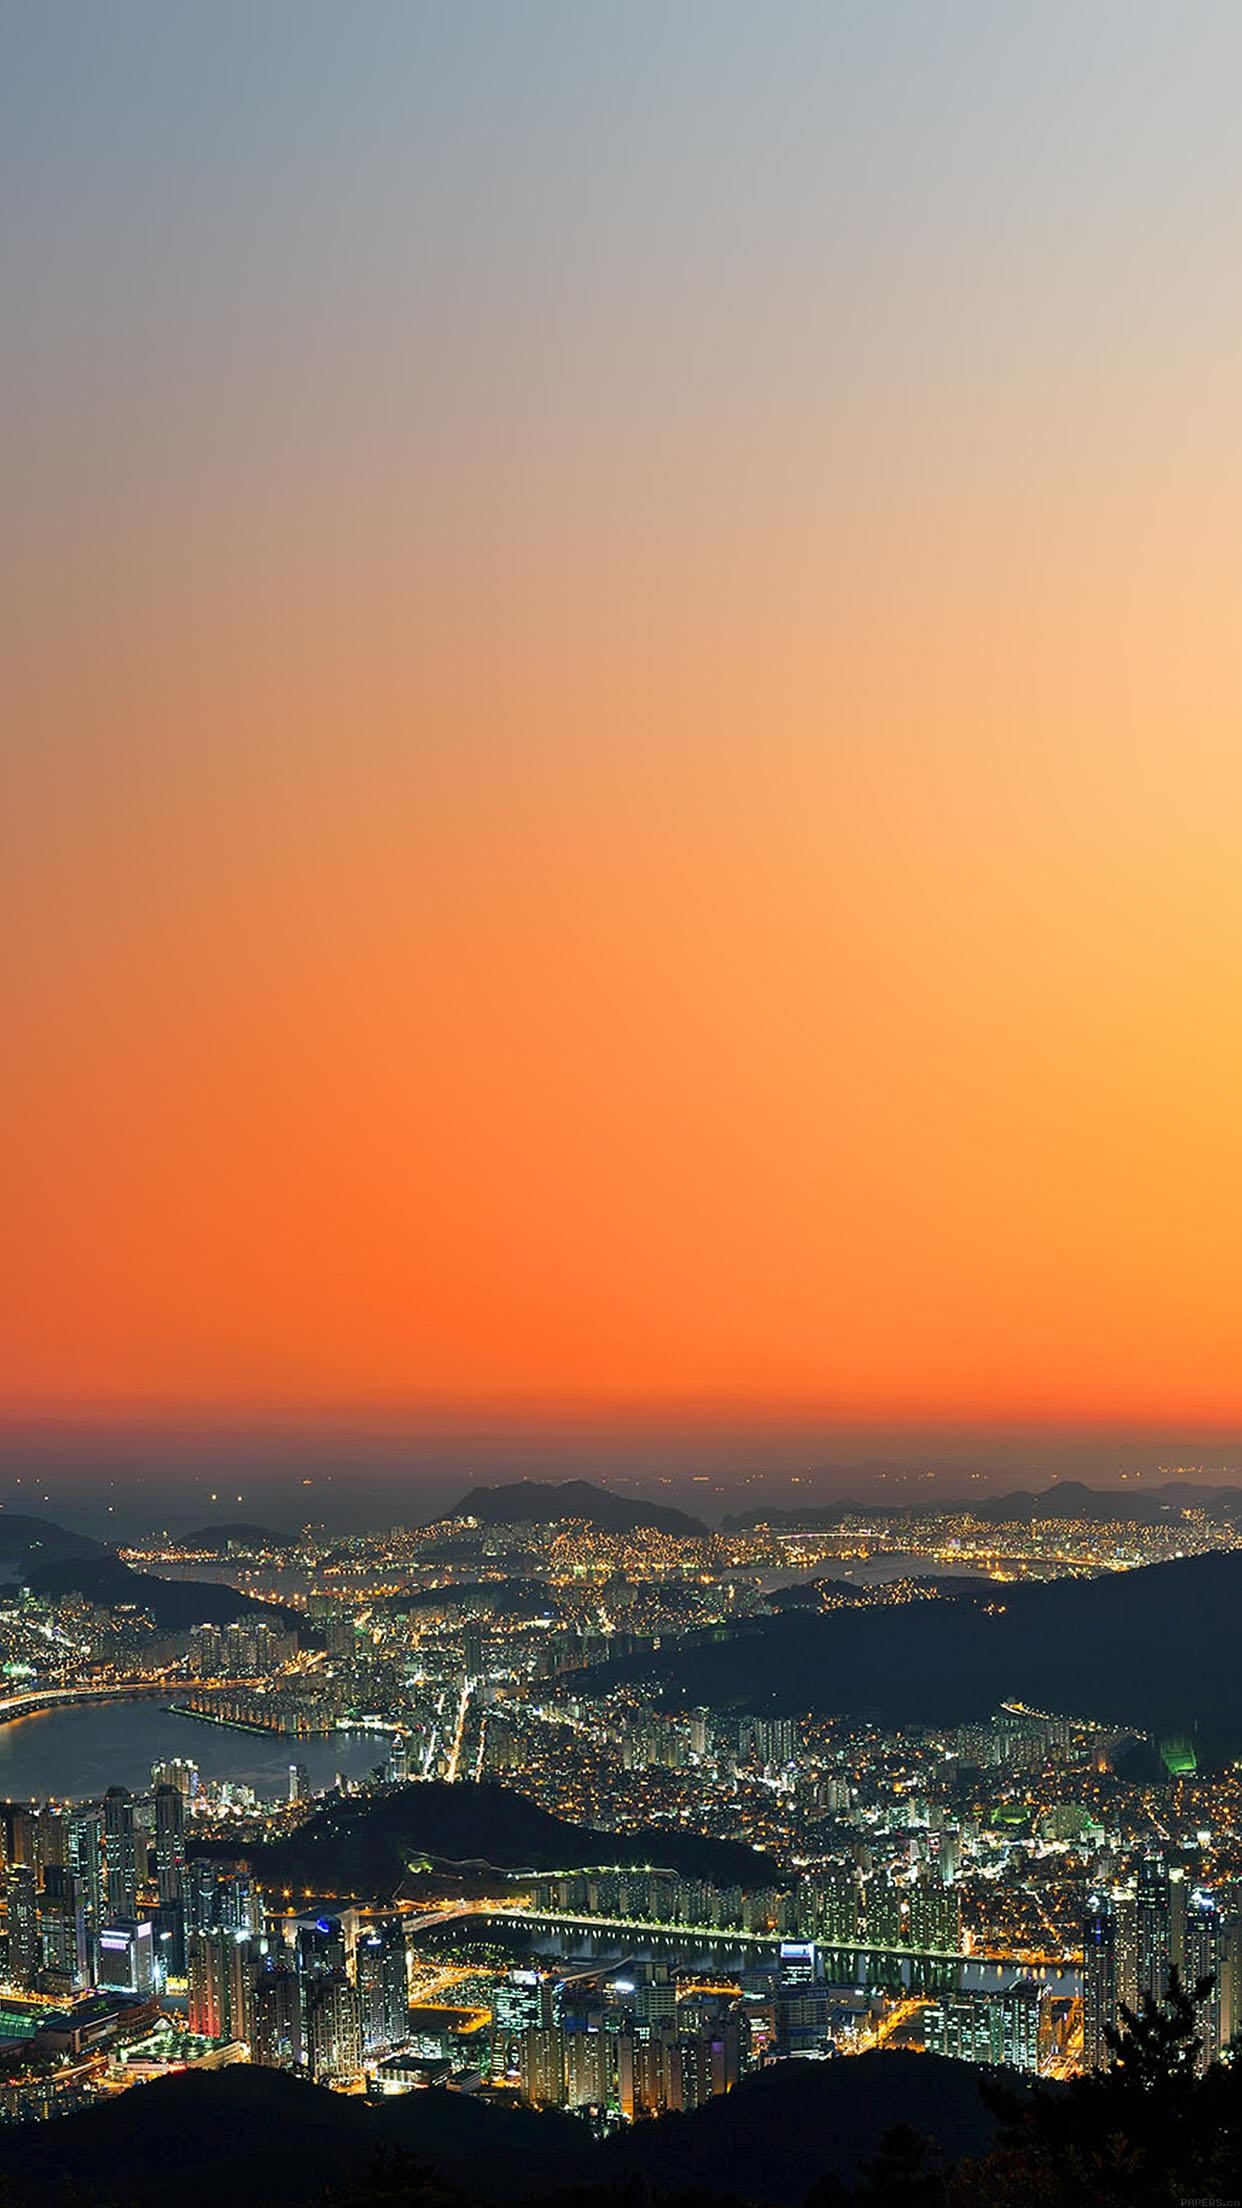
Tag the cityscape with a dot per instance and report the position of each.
(620, 1055)
(733, 1889)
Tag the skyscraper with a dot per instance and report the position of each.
(169, 1841)
(1205, 1946)
(331, 2039)
(84, 1850)
(383, 1995)
(63, 1939)
(1153, 1927)
(221, 1970)
(1099, 1980)
(120, 1853)
(21, 1894)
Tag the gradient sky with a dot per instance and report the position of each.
(622, 727)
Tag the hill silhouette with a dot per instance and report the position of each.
(1066, 1499)
(262, 2136)
(177, 1605)
(366, 1847)
(543, 1502)
(27, 1541)
(217, 1538)
(1153, 1648)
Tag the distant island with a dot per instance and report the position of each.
(218, 1539)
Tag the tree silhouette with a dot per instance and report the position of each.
(1149, 2131)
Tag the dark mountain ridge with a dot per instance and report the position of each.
(261, 2136)
(543, 1502)
(1154, 1648)
(177, 1605)
(1066, 1499)
(26, 1540)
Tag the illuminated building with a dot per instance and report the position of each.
(1205, 1946)
(126, 1957)
(1021, 2014)
(542, 2066)
(63, 1939)
(1099, 1980)
(169, 1841)
(1153, 1928)
(331, 2038)
(589, 2053)
(21, 1894)
(522, 2002)
(969, 2027)
(383, 1990)
(276, 2020)
(220, 1968)
(120, 1853)
(84, 1851)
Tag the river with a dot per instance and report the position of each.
(73, 1754)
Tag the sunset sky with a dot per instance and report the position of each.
(621, 778)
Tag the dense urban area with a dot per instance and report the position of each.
(557, 1881)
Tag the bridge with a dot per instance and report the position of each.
(38, 1699)
(717, 1935)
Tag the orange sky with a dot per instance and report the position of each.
(568, 841)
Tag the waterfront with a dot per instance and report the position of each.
(76, 1752)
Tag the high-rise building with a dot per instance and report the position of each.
(522, 2001)
(1204, 1952)
(176, 1771)
(321, 1946)
(1153, 1928)
(969, 2027)
(655, 1996)
(169, 1841)
(1022, 2015)
(120, 1853)
(543, 2066)
(589, 2051)
(220, 1896)
(84, 1849)
(1099, 1980)
(331, 2039)
(220, 1967)
(383, 1986)
(126, 1957)
(21, 1895)
(276, 2023)
(63, 1939)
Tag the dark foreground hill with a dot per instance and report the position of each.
(367, 1847)
(258, 2136)
(177, 1605)
(1154, 1648)
(868, 2131)
(542, 1503)
(262, 2139)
